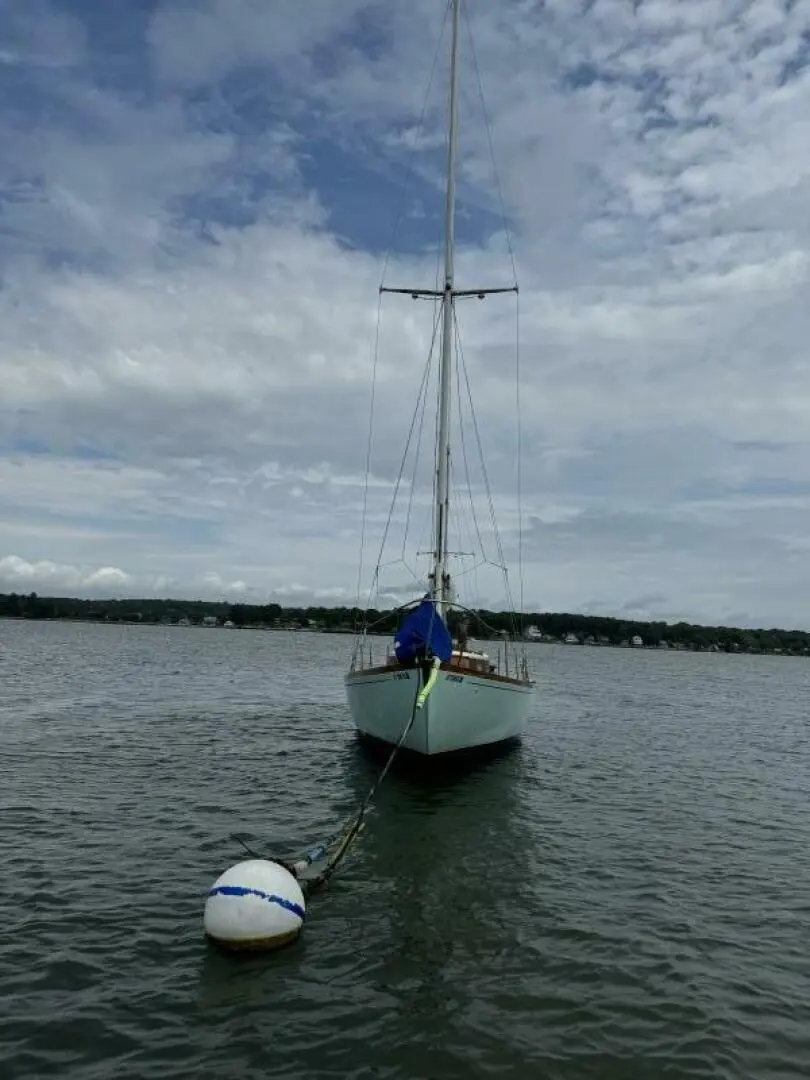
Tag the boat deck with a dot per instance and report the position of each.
(464, 663)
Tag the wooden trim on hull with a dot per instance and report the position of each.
(450, 669)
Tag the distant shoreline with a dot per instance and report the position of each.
(541, 627)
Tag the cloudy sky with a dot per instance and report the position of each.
(196, 200)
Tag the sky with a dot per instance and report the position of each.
(199, 200)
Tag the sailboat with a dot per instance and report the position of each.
(433, 695)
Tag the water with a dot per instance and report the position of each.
(626, 895)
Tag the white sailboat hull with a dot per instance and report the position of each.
(463, 711)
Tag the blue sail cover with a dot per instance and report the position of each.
(423, 629)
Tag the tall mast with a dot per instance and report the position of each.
(440, 576)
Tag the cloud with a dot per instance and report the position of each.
(195, 205)
(17, 574)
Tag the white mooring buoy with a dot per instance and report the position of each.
(255, 905)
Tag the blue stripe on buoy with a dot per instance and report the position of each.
(241, 890)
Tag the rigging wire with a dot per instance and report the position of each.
(422, 390)
(416, 457)
(511, 250)
(463, 442)
(394, 232)
(437, 310)
(496, 531)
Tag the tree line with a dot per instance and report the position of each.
(481, 624)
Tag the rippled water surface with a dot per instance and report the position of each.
(626, 895)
